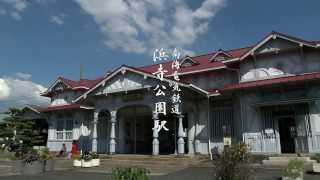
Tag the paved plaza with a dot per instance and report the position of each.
(185, 174)
(64, 171)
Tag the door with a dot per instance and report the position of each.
(143, 135)
(287, 131)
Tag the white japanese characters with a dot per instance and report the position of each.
(161, 108)
(160, 126)
(160, 89)
(176, 98)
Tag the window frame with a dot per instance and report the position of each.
(67, 134)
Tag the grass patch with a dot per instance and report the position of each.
(4, 155)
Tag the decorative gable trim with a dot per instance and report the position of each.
(123, 69)
(186, 59)
(59, 80)
(217, 54)
(274, 36)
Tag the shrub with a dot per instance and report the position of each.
(316, 157)
(95, 156)
(45, 154)
(31, 156)
(234, 163)
(87, 156)
(131, 173)
(77, 157)
(294, 169)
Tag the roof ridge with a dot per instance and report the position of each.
(94, 79)
(228, 50)
(206, 54)
(291, 36)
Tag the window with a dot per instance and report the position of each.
(64, 129)
(60, 125)
(222, 119)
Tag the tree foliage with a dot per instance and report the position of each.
(26, 130)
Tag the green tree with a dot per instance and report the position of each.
(25, 129)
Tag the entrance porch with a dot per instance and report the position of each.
(129, 130)
(284, 129)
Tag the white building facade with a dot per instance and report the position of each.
(266, 96)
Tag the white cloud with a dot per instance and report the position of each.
(4, 89)
(15, 15)
(19, 5)
(142, 25)
(16, 8)
(24, 76)
(58, 19)
(17, 92)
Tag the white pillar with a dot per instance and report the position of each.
(180, 136)
(94, 133)
(191, 132)
(197, 144)
(155, 141)
(112, 143)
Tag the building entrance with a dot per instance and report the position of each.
(287, 132)
(136, 129)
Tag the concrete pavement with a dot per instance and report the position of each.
(159, 171)
(185, 174)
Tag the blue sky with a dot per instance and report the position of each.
(43, 39)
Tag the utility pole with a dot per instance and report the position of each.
(81, 71)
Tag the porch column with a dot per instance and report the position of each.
(180, 136)
(197, 141)
(112, 143)
(155, 141)
(94, 133)
(191, 131)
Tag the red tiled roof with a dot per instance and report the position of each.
(266, 82)
(202, 64)
(202, 60)
(64, 107)
(83, 83)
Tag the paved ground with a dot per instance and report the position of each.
(185, 174)
(65, 171)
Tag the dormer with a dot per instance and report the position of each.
(220, 55)
(58, 86)
(60, 92)
(187, 62)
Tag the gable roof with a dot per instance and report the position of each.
(204, 63)
(123, 69)
(84, 84)
(220, 51)
(188, 58)
(274, 35)
(33, 108)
